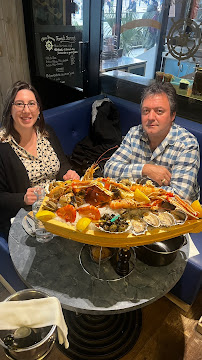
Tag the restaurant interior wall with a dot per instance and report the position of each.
(13, 51)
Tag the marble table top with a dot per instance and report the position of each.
(54, 268)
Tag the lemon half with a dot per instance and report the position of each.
(83, 223)
(45, 215)
(197, 207)
(140, 196)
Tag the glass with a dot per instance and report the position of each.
(20, 105)
(159, 76)
(42, 235)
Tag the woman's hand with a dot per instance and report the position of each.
(30, 197)
(71, 175)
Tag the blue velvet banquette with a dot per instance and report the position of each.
(71, 124)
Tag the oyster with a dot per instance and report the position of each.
(127, 182)
(151, 219)
(166, 219)
(179, 215)
(66, 199)
(138, 226)
(50, 205)
(131, 213)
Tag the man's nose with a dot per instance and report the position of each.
(151, 114)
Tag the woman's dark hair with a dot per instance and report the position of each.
(7, 120)
(162, 88)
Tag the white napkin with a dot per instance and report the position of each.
(193, 251)
(34, 313)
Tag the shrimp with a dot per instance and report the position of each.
(90, 171)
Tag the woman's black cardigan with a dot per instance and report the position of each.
(14, 180)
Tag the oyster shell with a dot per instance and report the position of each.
(66, 199)
(132, 213)
(166, 219)
(179, 215)
(50, 205)
(139, 226)
(151, 219)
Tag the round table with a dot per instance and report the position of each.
(54, 268)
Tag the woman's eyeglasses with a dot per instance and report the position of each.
(20, 105)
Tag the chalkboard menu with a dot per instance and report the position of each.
(59, 57)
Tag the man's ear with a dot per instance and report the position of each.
(173, 116)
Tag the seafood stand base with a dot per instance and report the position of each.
(104, 270)
(107, 337)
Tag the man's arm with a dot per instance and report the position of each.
(179, 167)
(125, 162)
(184, 174)
(182, 177)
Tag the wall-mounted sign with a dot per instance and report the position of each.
(60, 57)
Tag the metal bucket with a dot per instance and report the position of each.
(44, 337)
(160, 253)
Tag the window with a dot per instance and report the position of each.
(141, 38)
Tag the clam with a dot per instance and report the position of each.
(151, 219)
(179, 215)
(166, 219)
(139, 226)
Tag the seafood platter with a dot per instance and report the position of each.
(101, 211)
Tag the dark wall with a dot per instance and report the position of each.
(54, 94)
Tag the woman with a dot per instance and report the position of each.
(30, 153)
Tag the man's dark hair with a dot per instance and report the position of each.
(162, 88)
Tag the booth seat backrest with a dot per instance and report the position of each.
(71, 122)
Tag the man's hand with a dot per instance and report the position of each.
(71, 175)
(157, 173)
(30, 197)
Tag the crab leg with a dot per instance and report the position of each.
(183, 205)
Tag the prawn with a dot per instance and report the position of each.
(95, 166)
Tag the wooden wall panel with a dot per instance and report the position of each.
(13, 57)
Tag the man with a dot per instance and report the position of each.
(158, 148)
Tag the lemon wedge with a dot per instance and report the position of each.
(83, 223)
(140, 196)
(197, 207)
(45, 215)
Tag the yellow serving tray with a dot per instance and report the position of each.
(121, 240)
